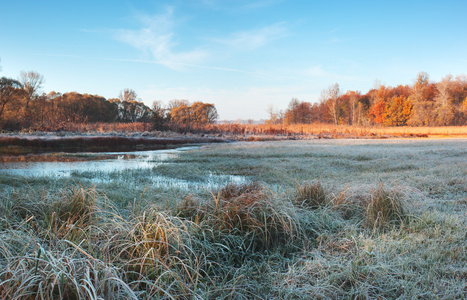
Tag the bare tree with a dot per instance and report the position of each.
(331, 97)
(353, 102)
(275, 116)
(422, 109)
(177, 102)
(159, 115)
(127, 95)
(32, 83)
(445, 113)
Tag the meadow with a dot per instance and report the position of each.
(303, 219)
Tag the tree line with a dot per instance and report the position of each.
(24, 105)
(424, 103)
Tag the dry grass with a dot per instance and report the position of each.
(333, 131)
(259, 131)
(310, 195)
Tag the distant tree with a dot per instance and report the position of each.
(397, 112)
(353, 97)
(131, 109)
(127, 95)
(177, 102)
(181, 115)
(203, 113)
(422, 102)
(9, 92)
(159, 118)
(32, 84)
(275, 116)
(198, 113)
(330, 96)
(377, 112)
(379, 100)
(445, 111)
(291, 113)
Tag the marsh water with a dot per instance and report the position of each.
(102, 167)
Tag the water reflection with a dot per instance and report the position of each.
(67, 164)
(99, 167)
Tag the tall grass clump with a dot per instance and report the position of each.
(385, 208)
(55, 274)
(249, 211)
(310, 195)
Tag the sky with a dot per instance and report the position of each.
(243, 56)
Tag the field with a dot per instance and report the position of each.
(302, 219)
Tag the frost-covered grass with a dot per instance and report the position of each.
(365, 219)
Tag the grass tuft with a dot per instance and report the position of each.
(385, 208)
(310, 195)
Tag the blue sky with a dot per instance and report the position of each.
(240, 55)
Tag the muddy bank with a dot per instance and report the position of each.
(17, 145)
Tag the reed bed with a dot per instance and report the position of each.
(320, 130)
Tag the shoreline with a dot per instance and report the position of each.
(31, 144)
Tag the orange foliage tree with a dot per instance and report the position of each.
(397, 112)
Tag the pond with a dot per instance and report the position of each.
(99, 167)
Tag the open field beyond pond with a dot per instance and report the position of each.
(339, 219)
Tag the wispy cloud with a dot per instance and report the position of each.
(157, 37)
(253, 39)
(259, 74)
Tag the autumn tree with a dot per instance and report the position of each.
(291, 113)
(298, 112)
(397, 111)
(198, 113)
(203, 113)
(11, 96)
(8, 92)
